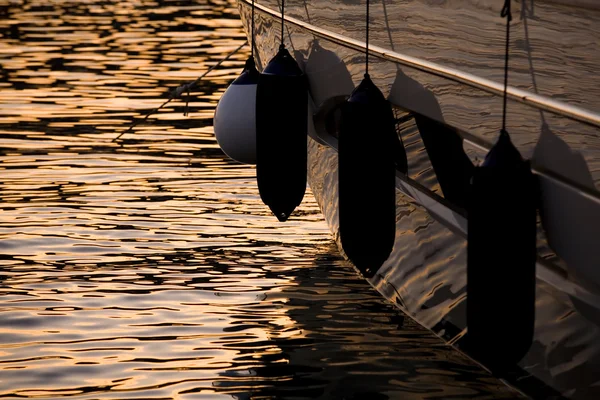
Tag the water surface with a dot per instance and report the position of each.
(148, 268)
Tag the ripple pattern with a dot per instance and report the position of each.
(148, 268)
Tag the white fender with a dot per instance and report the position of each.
(235, 117)
(235, 123)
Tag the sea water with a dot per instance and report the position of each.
(147, 267)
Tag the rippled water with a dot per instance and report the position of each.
(148, 268)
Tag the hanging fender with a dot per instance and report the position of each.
(235, 117)
(501, 258)
(367, 178)
(501, 249)
(281, 134)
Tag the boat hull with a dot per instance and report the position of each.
(447, 125)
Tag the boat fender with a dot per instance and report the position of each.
(235, 117)
(367, 178)
(501, 258)
(281, 134)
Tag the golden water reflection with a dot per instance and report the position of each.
(149, 268)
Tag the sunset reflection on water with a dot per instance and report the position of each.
(148, 268)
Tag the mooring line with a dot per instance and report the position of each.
(176, 94)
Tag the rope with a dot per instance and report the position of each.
(282, 20)
(505, 13)
(252, 50)
(367, 47)
(176, 94)
(306, 9)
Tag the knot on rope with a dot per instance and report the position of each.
(187, 87)
(505, 13)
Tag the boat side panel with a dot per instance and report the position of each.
(426, 277)
(555, 53)
(565, 148)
